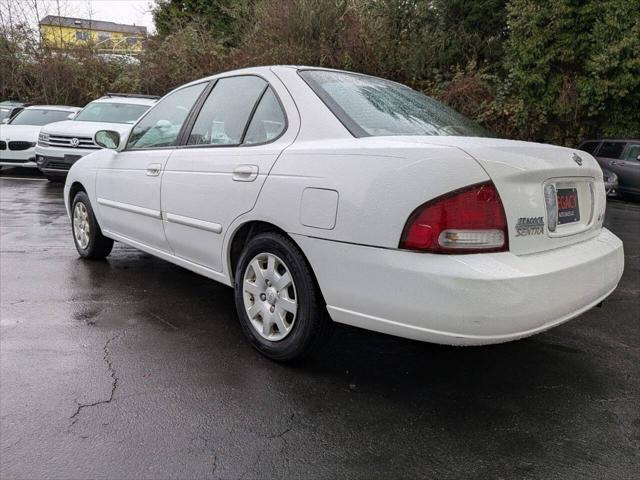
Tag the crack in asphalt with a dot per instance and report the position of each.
(283, 450)
(215, 465)
(286, 430)
(114, 381)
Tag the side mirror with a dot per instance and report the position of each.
(107, 139)
(71, 116)
(638, 158)
(5, 121)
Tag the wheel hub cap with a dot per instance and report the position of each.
(81, 226)
(272, 295)
(270, 298)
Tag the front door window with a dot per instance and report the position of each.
(161, 126)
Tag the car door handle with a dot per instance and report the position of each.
(613, 164)
(153, 170)
(245, 173)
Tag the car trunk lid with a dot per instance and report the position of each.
(537, 184)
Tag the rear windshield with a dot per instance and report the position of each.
(111, 112)
(39, 117)
(370, 106)
(589, 147)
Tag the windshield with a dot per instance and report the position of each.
(111, 112)
(39, 117)
(370, 106)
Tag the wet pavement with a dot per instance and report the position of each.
(135, 368)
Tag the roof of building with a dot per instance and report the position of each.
(88, 24)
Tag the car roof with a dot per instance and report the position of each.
(269, 68)
(64, 108)
(126, 100)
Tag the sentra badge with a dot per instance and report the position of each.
(529, 226)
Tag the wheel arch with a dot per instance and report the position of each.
(76, 187)
(245, 232)
(241, 235)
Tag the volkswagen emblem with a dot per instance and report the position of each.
(577, 158)
(75, 142)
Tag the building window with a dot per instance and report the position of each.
(104, 36)
(82, 35)
(133, 41)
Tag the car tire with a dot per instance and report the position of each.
(301, 332)
(87, 236)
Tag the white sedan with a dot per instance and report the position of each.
(323, 195)
(19, 135)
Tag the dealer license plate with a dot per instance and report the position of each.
(568, 209)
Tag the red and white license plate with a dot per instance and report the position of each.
(568, 208)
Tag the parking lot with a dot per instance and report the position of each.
(136, 368)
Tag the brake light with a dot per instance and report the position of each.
(469, 220)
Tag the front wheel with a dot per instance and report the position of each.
(87, 236)
(279, 304)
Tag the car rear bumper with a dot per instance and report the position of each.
(463, 299)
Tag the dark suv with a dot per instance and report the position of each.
(621, 157)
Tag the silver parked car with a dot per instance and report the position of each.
(621, 157)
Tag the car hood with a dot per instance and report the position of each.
(84, 129)
(27, 133)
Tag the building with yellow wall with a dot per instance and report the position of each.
(107, 37)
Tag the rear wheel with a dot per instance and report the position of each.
(87, 236)
(279, 304)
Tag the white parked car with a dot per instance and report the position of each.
(61, 144)
(321, 194)
(19, 135)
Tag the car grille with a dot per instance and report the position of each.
(58, 165)
(65, 141)
(18, 146)
(3, 145)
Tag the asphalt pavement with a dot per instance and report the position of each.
(135, 368)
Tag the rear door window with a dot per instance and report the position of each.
(611, 149)
(224, 115)
(268, 121)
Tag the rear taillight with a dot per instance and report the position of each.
(470, 220)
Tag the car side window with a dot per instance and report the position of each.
(633, 152)
(589, 147)
(268, 120)
(225, 113)
(611, 149)
(161, 126)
